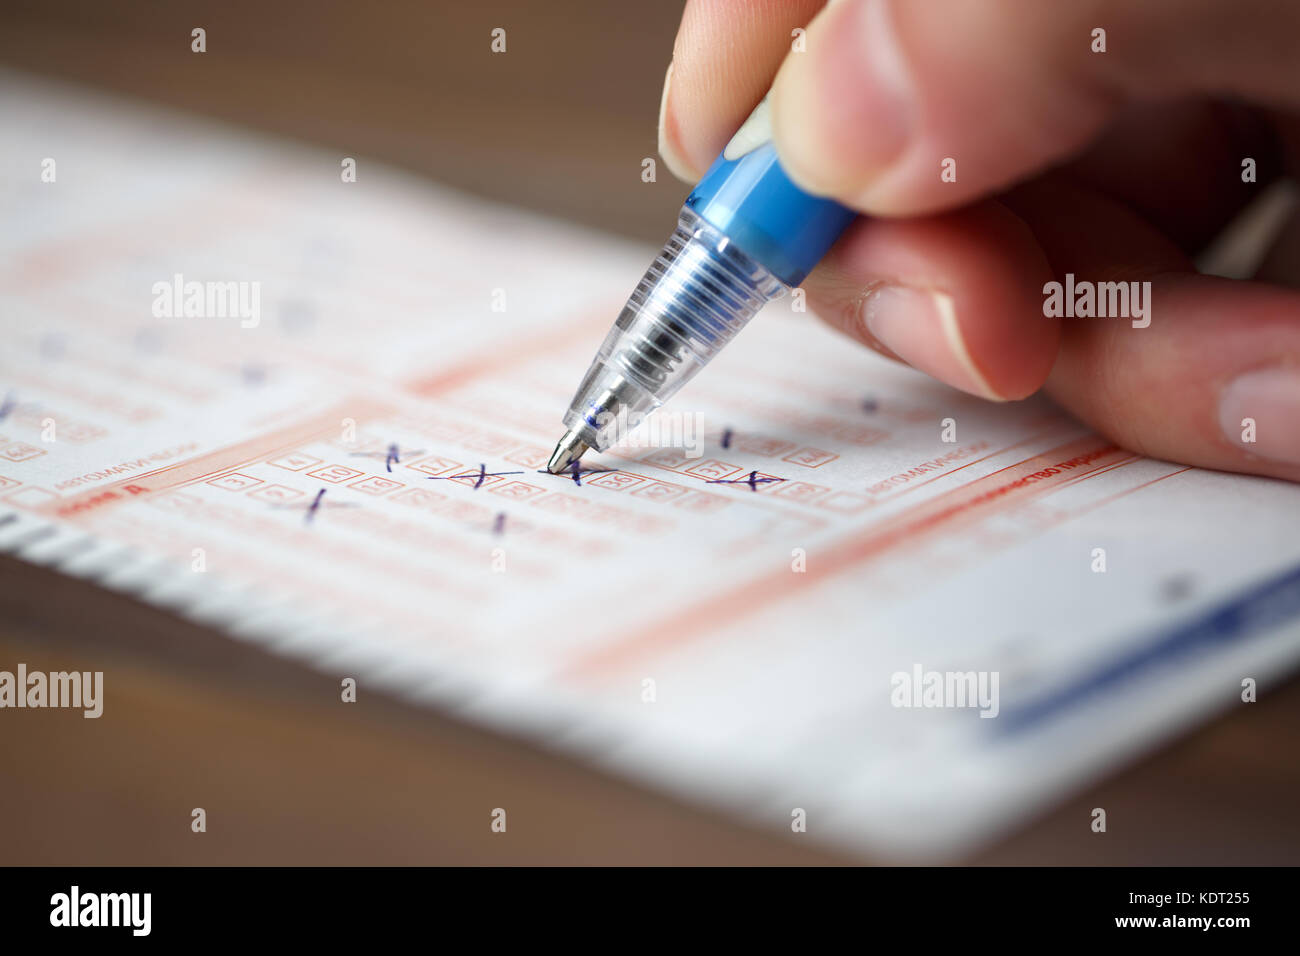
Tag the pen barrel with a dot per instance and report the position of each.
(698, 293)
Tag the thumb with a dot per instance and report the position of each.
(900, 108)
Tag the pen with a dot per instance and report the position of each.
(745, 235)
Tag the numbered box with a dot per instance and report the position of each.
(235, 482)
(862, 435)
(670, 458)
(435, 465)
(658, 491)
(374, 485)
(763, 447)
(799, 490)
(21, 451)
(810, 457)
(420, 498)
(530, 456)
(616, 480)
(561, 504)
(80, 432)
(294, 462)
(175, 501)
(335, 474)
(276, 494)
(710, 469)
(473, 479)
(518, 490)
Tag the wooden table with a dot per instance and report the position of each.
(285, 772)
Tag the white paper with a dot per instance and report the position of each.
(738, 645)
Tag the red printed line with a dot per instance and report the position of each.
(517, 353)
(946, 513)
(204, 466)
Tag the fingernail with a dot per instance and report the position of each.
(920, 326)
(667, 144)
(853, 83)
(1259, 412)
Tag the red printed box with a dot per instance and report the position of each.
(799, 490)
(860, 434)
(235, 482)
(420, 498)
(476, 480)
(810, 457)
(658, 491)
(81, 432)
(7, 483)
(616, 480)
(486, 442)
(671, 458)
(560, 504)
(21, 452)
(763, 447)
(530, 456)
(467, 511)
(275, 494)
(176, 501)
(433, 465)
(335, 474)
(518, 490)
(759, 482)
(294, 462)
(374, 485)
(711, 469)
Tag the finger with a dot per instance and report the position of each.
(956, 296)
(724, 59)
(1213, 380)
(889, 89)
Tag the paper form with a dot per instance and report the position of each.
(352, 478)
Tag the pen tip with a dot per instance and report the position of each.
(568, 450)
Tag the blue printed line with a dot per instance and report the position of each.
(1254, 612)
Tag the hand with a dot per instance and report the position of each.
(1115, 165)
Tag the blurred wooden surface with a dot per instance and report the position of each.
(559, 123)
(288, 774)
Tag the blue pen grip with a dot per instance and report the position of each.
(754, 203)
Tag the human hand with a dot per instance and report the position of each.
(1109, 166)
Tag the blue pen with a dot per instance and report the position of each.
(746, 235)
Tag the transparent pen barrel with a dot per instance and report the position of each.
(694, 298)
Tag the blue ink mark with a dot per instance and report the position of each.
(726, 438)
(1255, 612)
(753, 481)
(870, 405)
(479, 475)
(253, 374)
(576, 471)
(311, 509)
(10, 403)
(499, 525)
(393, 456)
